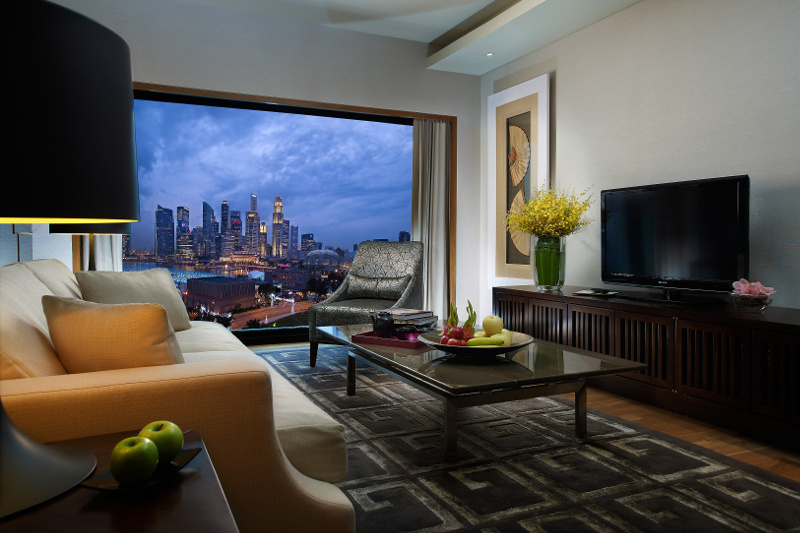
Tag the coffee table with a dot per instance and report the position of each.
(539, 369)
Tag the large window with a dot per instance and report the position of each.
(257, 209)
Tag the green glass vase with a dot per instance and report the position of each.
(549, 262)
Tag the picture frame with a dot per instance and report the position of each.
(517, 116)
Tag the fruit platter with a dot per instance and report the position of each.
(466, 339)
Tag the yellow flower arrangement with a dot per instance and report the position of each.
(551, 214)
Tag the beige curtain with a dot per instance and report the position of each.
(430, 208)
(101, 252)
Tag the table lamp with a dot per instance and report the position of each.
(71, 124)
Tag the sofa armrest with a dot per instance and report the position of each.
(227, 402)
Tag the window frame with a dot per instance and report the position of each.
(166, 93)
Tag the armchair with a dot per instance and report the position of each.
(383, 275)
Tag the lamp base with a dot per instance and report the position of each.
(33, 473)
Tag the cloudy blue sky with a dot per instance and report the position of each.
(345, 181)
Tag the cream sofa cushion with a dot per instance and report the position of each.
(148, 286)
(209, 337)
(56, 276)
(25, 347)
(91, 337)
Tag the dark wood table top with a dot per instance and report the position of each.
(190, 501)
(538, 363)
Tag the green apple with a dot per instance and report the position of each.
(167, 437)
(133, 460)
(492, 324)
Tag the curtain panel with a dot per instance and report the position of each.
(430, 208)
(101, 252)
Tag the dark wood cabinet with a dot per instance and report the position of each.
(713, 362)
(646, 339)
(705, 358)
(591, 328)
(775, 367)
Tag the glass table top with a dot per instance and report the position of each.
(537, 363)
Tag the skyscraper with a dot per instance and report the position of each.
(263, 244)
(236, 229)
(307, 243)
(293, 242)
(165, 233)
(277, 227)
(225, 222)
(210, 230)
(285, 239)
(199, 241)
(184, 247)
(252, 224)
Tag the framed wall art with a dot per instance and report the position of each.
(519, 163)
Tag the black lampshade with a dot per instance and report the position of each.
(112, 228)
(71, 126)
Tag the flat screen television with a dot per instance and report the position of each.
(684, 235)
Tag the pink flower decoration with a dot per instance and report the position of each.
(756, 288)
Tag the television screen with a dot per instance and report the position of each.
(691, 234)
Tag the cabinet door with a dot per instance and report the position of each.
(549, 321)
(591, 329)
(776, 375)
(713, 362)
(646, 339)
(515, 312)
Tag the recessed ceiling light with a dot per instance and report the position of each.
(489, 54)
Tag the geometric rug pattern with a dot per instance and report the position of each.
(520, 467)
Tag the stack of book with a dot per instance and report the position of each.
(410, 317)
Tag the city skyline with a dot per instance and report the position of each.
(178, 221)
(343, 180)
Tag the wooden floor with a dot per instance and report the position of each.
(772, 458)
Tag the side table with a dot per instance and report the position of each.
(190, 501)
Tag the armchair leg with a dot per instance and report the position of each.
(314, 347)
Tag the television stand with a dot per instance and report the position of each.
(669, 295)
(706, 359)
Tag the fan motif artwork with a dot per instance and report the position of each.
(518, 126)
(521, 240)
(519, 157)
(519, 154)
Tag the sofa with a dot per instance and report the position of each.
(90, 353)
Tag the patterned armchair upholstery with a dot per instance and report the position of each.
(383, 275)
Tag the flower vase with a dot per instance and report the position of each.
(548, 262)
(752, 303)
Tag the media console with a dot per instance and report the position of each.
(705, 359)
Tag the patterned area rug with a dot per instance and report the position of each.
(520, 467)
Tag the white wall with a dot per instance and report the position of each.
(183, 44)
(33, 242)
(676, 90)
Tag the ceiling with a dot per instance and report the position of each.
(459, 33)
